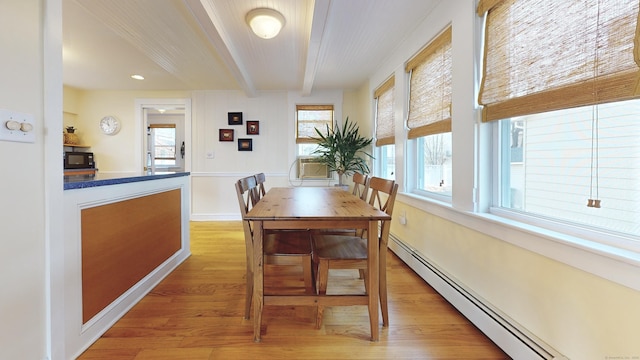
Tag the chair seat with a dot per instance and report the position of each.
(341, 232)
(287, 243)
(339, 247)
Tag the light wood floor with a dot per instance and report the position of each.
(197, 313)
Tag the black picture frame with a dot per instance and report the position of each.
(225, 135)
(245, 145)
(253, 127)
(234, 118)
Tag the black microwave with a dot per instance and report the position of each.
(78, 160)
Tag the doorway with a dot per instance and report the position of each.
(166, 147)
(164, 134)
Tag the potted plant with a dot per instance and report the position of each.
(342, 149)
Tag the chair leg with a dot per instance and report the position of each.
(363, 276)
(249, 294)
(319, 314)
(308, 275)
(323, 276)
(383, 288)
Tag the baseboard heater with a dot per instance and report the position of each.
(511, 337)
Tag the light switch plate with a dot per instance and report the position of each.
(28, 135)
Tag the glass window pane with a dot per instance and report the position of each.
(554, 162)
(307, 149)
(164, 146)
(434, 164)
(388, 162)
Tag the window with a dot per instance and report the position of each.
(429, 119)
(549, 166)
(163, 144)
(565, 111)
(385, 128)
(434, 164)
(308, 119)
(387, 162)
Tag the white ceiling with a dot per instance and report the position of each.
(207, 45)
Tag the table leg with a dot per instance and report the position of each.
(258, 279)
(373, 253)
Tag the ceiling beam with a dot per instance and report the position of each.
(205, 13)
(318, 23)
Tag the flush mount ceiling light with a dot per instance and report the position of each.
(137, 77)
(266, 23)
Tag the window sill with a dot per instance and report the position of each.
(609, 262)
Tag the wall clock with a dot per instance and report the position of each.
(109, 125)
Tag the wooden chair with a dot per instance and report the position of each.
(360, 185)
(350, 252)
(361, 190)
(260, 190)
(280, 248)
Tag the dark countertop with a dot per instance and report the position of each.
(86, 181)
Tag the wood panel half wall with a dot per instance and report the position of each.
(123, 242)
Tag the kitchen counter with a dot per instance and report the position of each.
(123, 233)
(87, 181)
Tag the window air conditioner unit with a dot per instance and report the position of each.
(311, 168)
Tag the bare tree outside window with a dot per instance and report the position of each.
(435, 174)
(434, 150)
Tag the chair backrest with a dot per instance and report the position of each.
(360, 185)
(389, 188)
(260, 190)
(245, 190)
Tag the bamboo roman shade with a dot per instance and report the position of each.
(430, 93)
(545, 55)
(310, 117)
(385, 127)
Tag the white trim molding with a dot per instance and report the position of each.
(609, 262)
(511, 337)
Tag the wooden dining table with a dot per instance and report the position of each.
(315, 208)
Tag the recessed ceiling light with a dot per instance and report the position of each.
(137, 77)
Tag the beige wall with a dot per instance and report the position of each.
(357, 107)
(22, 200)
(581, 315)
(113, 153)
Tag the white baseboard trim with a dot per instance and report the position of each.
(104, 320)
(216, 217)
(510, 336)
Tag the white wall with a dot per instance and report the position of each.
(274, 149)
(581, 315)
(22, 189)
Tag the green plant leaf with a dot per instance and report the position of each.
(342, 149)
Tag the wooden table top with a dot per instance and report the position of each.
(311, 203)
